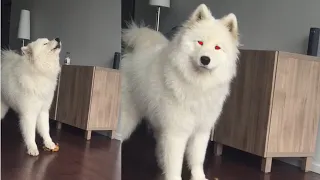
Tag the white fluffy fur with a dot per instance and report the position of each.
(182, 99)
(28, 82)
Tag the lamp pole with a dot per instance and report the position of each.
(158, 18)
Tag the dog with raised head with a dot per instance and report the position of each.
(28, 82)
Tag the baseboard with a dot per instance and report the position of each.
(117, 136)
(291, 161)
(315, 167)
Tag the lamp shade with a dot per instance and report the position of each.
(162, 3)
(24, 25)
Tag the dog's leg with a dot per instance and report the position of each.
(28, 121)
(196, 151)
(129, 117)
(4, 109)
(170, 153)
(44, 129)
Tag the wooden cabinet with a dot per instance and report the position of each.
(274, 107)
(87, 97)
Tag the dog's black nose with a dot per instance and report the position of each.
(57, 39)
(205, 60)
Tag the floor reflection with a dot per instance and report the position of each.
(139, 163)
(77, 159)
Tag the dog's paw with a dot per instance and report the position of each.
(50, 145)
(33, 150)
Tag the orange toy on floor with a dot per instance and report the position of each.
(56, 149)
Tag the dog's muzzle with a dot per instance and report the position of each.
(58, 46)
(59, 43)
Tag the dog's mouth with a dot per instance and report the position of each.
(202, 69)
(58, 46)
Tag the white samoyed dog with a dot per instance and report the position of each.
(28, 82)
(180, 86)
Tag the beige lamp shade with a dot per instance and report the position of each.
(24, 25)
(160, 3)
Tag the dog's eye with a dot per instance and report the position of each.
(200, 42)
(217, 47)
(45, 43)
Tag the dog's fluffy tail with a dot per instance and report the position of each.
(8, 55)
(137, 38)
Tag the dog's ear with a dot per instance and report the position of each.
(26, 50)
(202, 12)
(230, 21)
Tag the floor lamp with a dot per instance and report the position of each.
(24, 26)
(159, 4)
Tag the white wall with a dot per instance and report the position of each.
(89, 30)
(264, 24)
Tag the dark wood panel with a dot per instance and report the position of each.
(74, 95)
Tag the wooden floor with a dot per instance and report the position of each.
(78, 159)
(139, 163)
(100, 159)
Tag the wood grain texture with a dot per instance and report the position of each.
(74, 95)
(296, 105)
(105, 99)
(244, 121)
(274, 106)
(89, 97)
